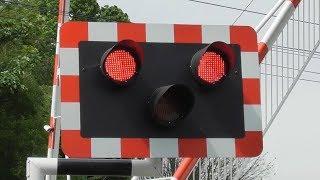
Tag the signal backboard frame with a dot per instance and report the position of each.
(76, 146)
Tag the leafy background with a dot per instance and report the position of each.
(27, 48)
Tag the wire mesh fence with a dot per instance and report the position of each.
(288, 58)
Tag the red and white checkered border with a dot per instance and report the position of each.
(75, 146)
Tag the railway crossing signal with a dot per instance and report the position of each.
(158, 90)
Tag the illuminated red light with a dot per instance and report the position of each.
(211, 67)
(120, 65)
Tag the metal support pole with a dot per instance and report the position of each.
(54, 133)
(68, 176)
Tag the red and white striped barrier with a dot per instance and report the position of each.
(277, 26)
(55, 90)
(37, 168)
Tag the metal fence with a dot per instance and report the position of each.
(288, 59)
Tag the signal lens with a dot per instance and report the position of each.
(211, 64)
(211, 67)
(120, 65)
(171, 104)
(166, 111)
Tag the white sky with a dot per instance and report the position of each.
(292, 138)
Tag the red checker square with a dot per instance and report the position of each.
(192, 147)
(251, 91)
(187, 33)
(74, 144)
(72, 33)
(135, 32)
(70, 88)
(249, 146)
(245, 36)
(134, 147)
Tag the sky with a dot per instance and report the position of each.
(292, 138)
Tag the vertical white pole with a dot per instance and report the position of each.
(68, 176)
(54, 136)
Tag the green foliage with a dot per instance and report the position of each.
(112, 14)
(27, 48)
(84, 10)
(22, 26)
(89, 10)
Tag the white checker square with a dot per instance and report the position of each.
(211, 34)
(69, 61)
(221, 147)
(251, 114)
(160, 33)
(105, 147)
(164, 147)
(100, 31)
(70, 111)
(249, 62)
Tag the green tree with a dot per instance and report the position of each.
(112, 14)
(27, 48)
(89, 10)
(25, 64)
(81, 10)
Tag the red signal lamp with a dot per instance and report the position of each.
(122, 62)
(212, 64)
